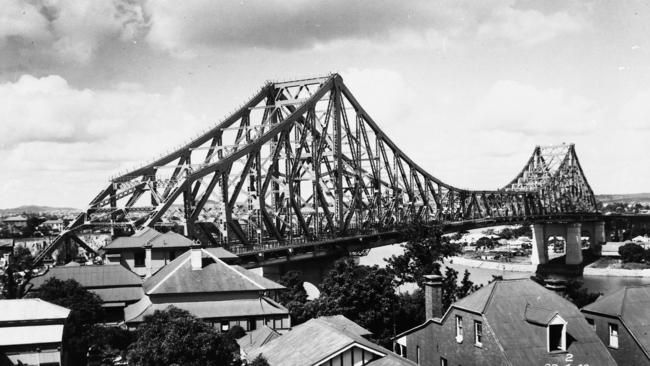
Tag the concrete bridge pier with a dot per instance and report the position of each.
(571, 233)
(313, 270)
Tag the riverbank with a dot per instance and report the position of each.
(613, 268)
(498, 266)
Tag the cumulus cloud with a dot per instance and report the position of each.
(281, 24)
(66, 30)
(54, 135)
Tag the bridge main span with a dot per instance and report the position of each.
(302, 164)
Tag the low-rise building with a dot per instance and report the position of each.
(115, 285)
(225, 295)
(54, 225)
(322, 341)
(621, 320)
(31, 332)
(508, 322)
(148, 250)
(15, 224)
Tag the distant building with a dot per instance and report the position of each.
(115, 285)
(55, 225)
(15, 224)
(621, 320)
(322, 341)
(508, 322)
(225, 295)
(31, 332)
(149, 250)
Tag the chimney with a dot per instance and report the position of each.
(433, 296)
(196, 258)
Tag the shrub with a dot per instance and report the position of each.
(631, 252)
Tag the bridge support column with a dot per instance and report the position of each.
(599, 238)
(573, 243)
(540, 254)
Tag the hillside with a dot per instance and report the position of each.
(624, 198)
(36, 209)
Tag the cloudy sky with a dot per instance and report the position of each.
(466, 88)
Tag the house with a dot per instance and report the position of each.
(323, 341)
(225, 295)
(621, 320)
(148, 250)
(55, 225)
(6, 248)
(508, 322)
(115, 285)
(15, 224)
(31, 332)
(255, 339)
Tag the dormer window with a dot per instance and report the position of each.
(556, 334)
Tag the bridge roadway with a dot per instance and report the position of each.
(276, 253)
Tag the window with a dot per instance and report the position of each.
(252, 324)
(613, 335)
(277, 323)
(417, 355)
(443, 361)
(459, 328)
(478, 333)
(138, 258)
(592, 323)
(556, 334)
(225, 326)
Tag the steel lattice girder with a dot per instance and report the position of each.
(303, 159)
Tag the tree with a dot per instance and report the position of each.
(85, 311)
(295, 297)
(631, 252)
(174, 336)
(451, 291)
(363, 294)
(17, 274)
(236, 332)
(108, 344)
(485, 242)
(422, 255)
(259, 361)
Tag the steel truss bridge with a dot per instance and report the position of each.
(302, 162)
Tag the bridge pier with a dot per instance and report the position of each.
(598, 235)
(571, 232)
(313, 270)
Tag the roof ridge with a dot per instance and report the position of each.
(168, 275)
(620, 313)
(490, 296)
(232, 269)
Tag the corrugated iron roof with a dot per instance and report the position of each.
(32, 334)
(312, 343)
(91, 277)
(257, 338)
(207, 309)
(13, 310)
(214, 276)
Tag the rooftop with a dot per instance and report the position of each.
(257, 338)
(214, 276)
(151, 237)
(16, 310)
(317, 340)
(93, 276)
(631, 305)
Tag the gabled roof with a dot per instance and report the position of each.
(215, 276)
(631, 305)
(342, 323)
(313, 343)
(15, 310)
(151, 238)
(516, 311)
(91, 277)
(15, 219)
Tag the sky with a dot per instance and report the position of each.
(466, 88)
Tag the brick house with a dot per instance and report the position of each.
(508, 322)
(621, 321)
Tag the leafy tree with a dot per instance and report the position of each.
(18, 273)
(409, 311)
(259, 361)
(108, 344)
(485, 242)
(631, 252)
(295, 297)
(363, 294)
(236, 332)
(451, 291)
(85, 311)
(174, 336)
(574, 292)
(422, 256)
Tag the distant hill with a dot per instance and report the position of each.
(36, 209)
(625, 198)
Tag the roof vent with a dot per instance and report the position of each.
(195, 258)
